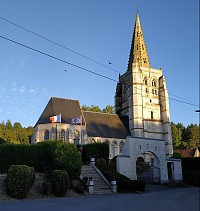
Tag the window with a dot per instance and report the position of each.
(121, 145)
(151, 114)
(145, 81)
(62, 137)
(154, 83)
(46, 135)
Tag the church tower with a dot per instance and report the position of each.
(141, 93)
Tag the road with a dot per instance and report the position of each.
(155, 198)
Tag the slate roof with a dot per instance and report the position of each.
(69, 109)
(106, 125)
(97, 124)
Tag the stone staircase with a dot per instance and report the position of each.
(100, 186)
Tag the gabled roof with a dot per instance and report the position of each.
(97, 124)
(106, 125)
(69, 109)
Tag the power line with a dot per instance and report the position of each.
(79, 54)
(56, 58)
(56, 43)
(82, 68)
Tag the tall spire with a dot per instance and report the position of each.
(138, 53)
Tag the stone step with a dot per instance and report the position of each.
(100, 186)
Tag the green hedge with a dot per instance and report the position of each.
(43, 157)
(191, 171)
(19, 180)
(190, 164)
(95, 150)
(66, 157)
(130, 186)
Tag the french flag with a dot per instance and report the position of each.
(56, 118)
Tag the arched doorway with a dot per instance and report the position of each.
(148, 167)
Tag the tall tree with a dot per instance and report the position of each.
(109, 109)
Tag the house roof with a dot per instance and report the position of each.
(69, 109)
(106, 125)
(97, 124)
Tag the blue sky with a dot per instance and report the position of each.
(101, 30)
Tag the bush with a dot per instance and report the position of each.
(60, 182)
(192, 178)
(190, 164)
(19, 181)
(101, 163)
(66, 157)
(20, 155)
(130, 186)
(112, 163)
(32, 173)
(95, 150)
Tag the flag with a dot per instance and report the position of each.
(56, 118)
(76, 121)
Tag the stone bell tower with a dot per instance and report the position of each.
(141, 93)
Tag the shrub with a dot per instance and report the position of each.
(130, 186)
(101, 163)
(66, 157)
(41, 155)
(190, 164)
(192, 178)
(112, 163)
(32, 173)
(19, 179)
(95, 150)
(20, 155)
(60, 182)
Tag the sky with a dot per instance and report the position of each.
(96, 33)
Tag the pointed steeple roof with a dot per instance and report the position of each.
(138, 53)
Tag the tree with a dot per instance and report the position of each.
(193, 136)
(109, 109)
(15, 133)
(176, 135)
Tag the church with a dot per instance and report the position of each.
(139, 131)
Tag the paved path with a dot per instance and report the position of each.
(155, 198)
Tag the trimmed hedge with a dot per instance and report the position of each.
(60, 182)
(95, 150)
(190, 164)
(130, 186)
(43, 157)
(19, 180)
(191, 171)
(66, 157)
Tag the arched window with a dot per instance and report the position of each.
(76, 134)
(154, 87)
(154, 83)
(115, 148)
(46, 135)
(145, 81)
(62, 137)
(151, 114)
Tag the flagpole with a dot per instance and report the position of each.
(56, 132)
(60, 126)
